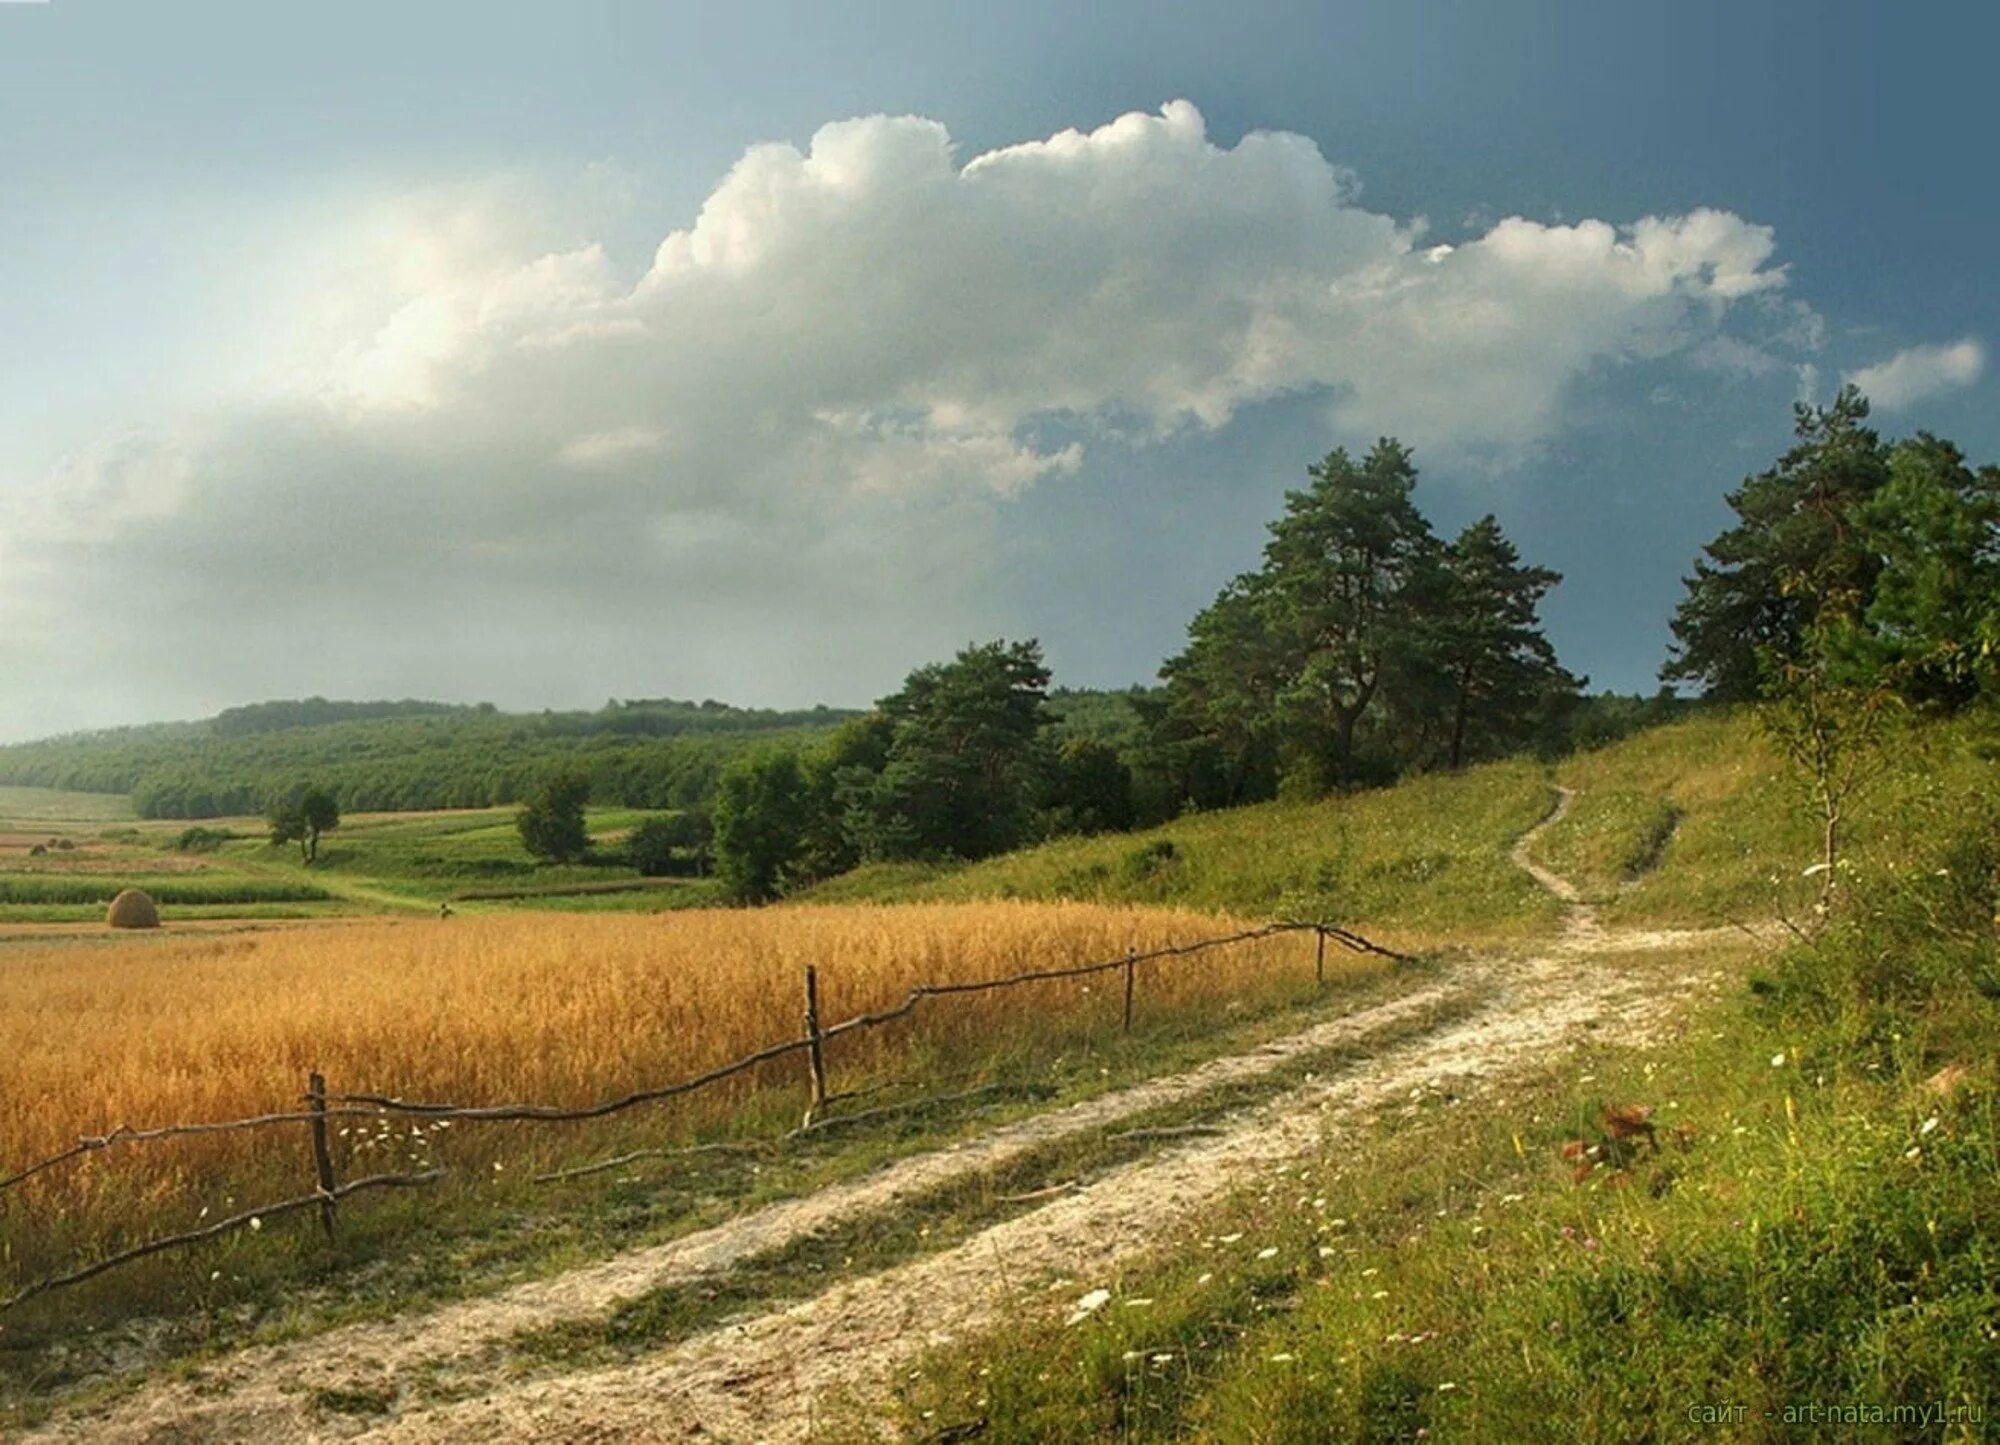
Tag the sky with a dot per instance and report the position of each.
(545, 354)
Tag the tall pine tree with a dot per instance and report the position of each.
(1795, 551)
(1498, 671)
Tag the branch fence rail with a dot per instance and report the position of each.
(321, 1106)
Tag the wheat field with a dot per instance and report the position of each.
(563, 1009)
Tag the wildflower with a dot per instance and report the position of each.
(1205, 1279)
(1282, 1358)
(255, 1222)
(1267, 1253)
(1777, 1061)
(1380, 1294)
(1089, 1305)
(1162, 1359)
(1928, 1125)
(1137, 1304)
(1229, 1239)
(1447, 1385)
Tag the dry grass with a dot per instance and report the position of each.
(563, 1009)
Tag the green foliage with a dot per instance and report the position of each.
(387, 757)
(1482, 654)
(1794, 520)
(202, 840)
(551, 821)
(678, 843)
(1363, 646)
(763, 810)
(1089, 789)
(301, 816)
(1875, 564)
(1606, 717)
(1934, 620)
(963, 765)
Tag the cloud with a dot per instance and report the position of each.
(1921, 372)
(734, 466)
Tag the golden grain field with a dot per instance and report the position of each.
(543, 1008)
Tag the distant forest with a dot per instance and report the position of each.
(409, 754)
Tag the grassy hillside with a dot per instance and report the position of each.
(1811, 1246)
(406, 756)
(1426, 859)
(1701, 823)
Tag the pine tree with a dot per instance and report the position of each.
(1754, 595)
(1498, 670)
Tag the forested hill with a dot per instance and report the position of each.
(652, 753)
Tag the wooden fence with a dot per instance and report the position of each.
(320, 1106)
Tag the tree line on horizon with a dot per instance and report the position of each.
(408, 756)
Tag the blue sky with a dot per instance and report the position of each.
(340, 351)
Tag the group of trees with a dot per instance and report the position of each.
(962, 762)
(1364, 645)
(1877, 561)
(1861, 576)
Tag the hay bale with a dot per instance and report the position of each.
(133, 908)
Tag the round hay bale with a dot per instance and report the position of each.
(133, 908)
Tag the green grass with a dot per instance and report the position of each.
(46, 805)
(372, 863)
(434, 857)
(167, 889)
(1444, 1273)
(1427, 858)
(1700, 822)
(1820, 1226)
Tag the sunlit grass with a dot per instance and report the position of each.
(1426, 860)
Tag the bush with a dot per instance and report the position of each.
(551, 821)
(675, 846)
(201, 840)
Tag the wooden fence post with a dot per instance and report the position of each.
(322, 1153)
(1131, 967)
(815, 1049)
(1319, 958)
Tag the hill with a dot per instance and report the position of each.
(408, 755)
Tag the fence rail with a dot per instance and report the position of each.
(322, 1106)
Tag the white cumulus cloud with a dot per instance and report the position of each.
(807, 407)
(1921, 372)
